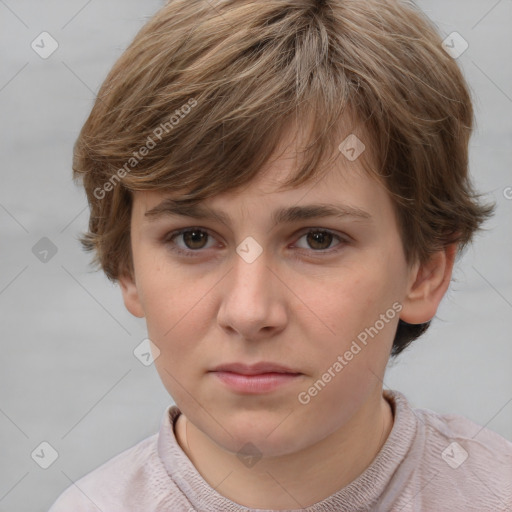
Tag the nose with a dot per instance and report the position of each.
(253, 300)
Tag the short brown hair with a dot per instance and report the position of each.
(208, 87)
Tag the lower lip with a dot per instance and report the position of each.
(260, 383)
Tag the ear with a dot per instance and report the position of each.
(428, 284)
(131, 296)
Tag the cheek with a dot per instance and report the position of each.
(348, 309)
(353, 354)
(178, 314)
(176, 322)
(168, 293)
(160, 294)
(347, 298)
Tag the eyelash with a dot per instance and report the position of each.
(169, 241)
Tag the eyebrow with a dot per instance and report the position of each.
(170, 207)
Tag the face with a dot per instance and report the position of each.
(304, 294)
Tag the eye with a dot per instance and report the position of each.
(194, 240)
(320, 240)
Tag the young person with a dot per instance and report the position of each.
(281, 189)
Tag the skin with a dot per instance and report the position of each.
(297, 305)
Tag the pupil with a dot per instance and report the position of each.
(192, 237)
(319, 237)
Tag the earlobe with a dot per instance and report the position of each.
(429, 283)
(131, 296)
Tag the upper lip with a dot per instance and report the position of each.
(253, 369)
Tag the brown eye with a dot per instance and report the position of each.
(188, 242)
(195, 239)
(320, 240)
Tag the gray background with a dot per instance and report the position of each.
(68, 375)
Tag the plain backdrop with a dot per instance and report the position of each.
(68, 375)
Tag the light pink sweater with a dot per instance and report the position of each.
(430, 462)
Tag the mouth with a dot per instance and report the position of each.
(255, 379)
(261, 368)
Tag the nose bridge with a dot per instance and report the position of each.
(250, 273)
(250, 304)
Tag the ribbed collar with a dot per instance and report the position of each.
(360, 494)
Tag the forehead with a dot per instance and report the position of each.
(341, 179)
(344, 193)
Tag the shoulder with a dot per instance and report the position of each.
(116, 480)
(461, 463)
(480, 442)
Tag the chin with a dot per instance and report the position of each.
(264, 438)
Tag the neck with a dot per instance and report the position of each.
(307, 476)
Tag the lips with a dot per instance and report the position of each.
(255, 379)
(260, 368)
